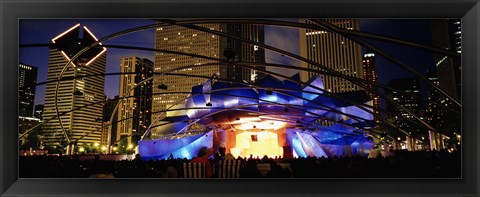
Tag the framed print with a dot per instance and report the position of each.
(239, 98)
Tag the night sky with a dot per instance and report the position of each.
(42, 31)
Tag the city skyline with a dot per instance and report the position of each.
(222, 89)
(41, 31)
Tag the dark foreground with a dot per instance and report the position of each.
(404, 164)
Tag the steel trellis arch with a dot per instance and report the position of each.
(139, 28)
(263, 64)
(108, 37)
(190, 26)
(336, 73)
(276, 89)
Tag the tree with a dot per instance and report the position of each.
(31, 141)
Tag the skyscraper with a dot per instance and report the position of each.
(370, 74)
(413, 104)
(109, 133)
(186, 40)
(26, 89)
(333, 51)
(432, 112)
(447, 34)
(244, 52)
(135, 110)
(80, 100)
(438, 115)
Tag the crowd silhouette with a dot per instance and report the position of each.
(400, 164)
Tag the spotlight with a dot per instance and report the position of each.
(209, 104)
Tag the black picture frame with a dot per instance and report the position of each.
(11, 11)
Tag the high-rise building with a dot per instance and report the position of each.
(413, 104)
(186, 40)
(27, 79)
(447, 34)
(431, 110)
(437, 114)
(136, 105)
(333, 51)
(80, 100)
(370, 74)
(111, 132)
(244, 52)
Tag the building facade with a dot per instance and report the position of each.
(136, 105)
(80, 100)
(447, 34)
(244, 52)
(413, 104)
(370, 74)
(169, 90)
(26, 89)
(333, 51)
(439, 110)
(109, 133)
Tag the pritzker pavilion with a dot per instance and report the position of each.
(273, 115)
(270, 117)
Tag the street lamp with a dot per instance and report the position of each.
(104, 148)
(95, 147)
